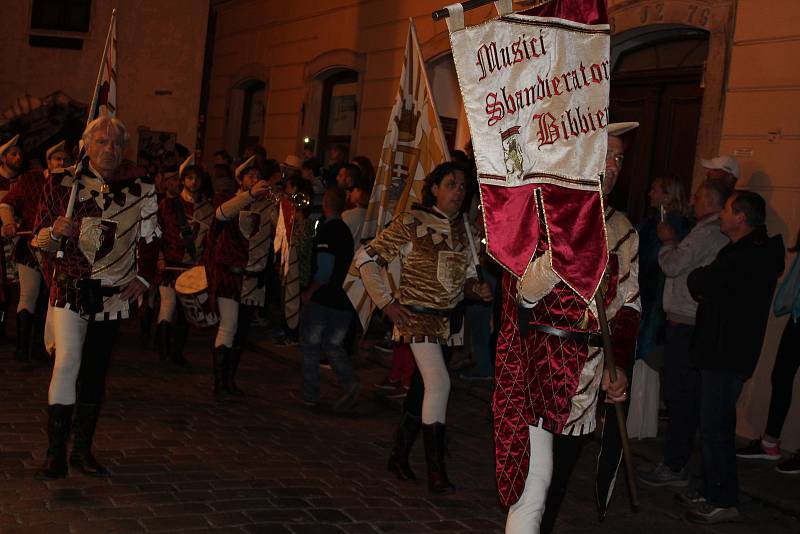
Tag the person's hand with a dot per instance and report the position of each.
(483, 291)
(9, 230)
(665, 232)
(63, 226)
(616, 391)
(132, 289)
(397, 313)
(260, 190)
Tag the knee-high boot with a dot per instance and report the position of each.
(222, 361)
(434, 436)
(164, 340)
(59, 423)
(24, 325)
(235, 359)
(404, 439)
(81, 458)
(179, 334)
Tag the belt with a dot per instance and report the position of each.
(430, 311)
(585, 338)
(241, 271)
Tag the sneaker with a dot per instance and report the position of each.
(662, 475)
(790, 466)
(708, 514)
(398, 392)
(387, 383)
(689, 498)
(760, 450)
(348, 400)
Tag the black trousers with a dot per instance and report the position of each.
(681, 395)
(95, 360)
(787, 362)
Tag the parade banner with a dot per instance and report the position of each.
(535, 91)
(414, 144)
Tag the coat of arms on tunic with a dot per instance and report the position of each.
(97, 238)
(450, 269)
(249, 223)
(513, 154)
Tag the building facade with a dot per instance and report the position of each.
(52, 47)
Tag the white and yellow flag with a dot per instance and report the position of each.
(413, 146)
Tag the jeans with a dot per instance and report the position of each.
(718, 395)
(787, 362)
(323, 329)
(681, 395)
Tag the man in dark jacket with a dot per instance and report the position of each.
(734, 294)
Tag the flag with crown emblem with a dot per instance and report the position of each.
(414, 144)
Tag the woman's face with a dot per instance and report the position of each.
(449, 193)
(657, 195)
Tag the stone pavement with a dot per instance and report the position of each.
(183, 463)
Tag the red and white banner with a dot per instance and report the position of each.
(535, 91)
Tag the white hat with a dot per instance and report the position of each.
(186, 163)
(292, 161)
(728, 164)
(59, 147)
(7, 146)
(619, 128)
(249, 163)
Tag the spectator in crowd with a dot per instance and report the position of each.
(725, 168)
(260, 154)
(787, 362)
(367, 170)
(327, 312)
(291, 166)
(310, 170)
(357, 195)
(222, 180)
(731, 323)
(221, 157)
(676, 259)
(337, 157)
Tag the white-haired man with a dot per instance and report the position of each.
(103, 256)
(18, 211)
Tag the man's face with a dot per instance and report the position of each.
(173, 184)
(250, 178)
(105, 150)
(450, 193)
(13, 159)
(729, 220)
(192, 182)
(57, 161)
(615, 154)
(343, 179)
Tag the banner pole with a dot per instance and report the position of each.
(610, 364)
(440, 14)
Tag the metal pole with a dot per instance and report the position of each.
(440, 14)
(610, 364)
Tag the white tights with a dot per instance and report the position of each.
(430, 362)
(525, 516)
(169, 301)
(68, 331)
(228, 322)
(30, 280)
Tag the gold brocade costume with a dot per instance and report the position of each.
(435, 264)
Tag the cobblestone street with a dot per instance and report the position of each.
(182, 462)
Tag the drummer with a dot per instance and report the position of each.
(185, 220)
(242, 239)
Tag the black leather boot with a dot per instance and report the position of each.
(179, 334)
(81, 457)
(434, 436)
(221, 370)
(233, 367)
(24, 325)
(59, 423)
(404, 439)
(163, 340)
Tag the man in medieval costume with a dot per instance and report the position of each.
(185, 220)
(550, 364)
(11, 165)
(98, 224)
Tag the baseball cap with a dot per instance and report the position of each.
(724, 163)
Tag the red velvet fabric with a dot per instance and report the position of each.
(512, 226)
(624, 333)
(582, 11)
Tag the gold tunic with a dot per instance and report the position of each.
(435, 263)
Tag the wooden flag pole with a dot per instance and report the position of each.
(440, 14)
(608, 354)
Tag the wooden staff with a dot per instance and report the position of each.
(440, 14)
(608, 354)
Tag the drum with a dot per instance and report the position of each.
(192, 290)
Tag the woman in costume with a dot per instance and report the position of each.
(437, 269)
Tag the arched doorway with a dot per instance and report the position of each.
(658, 81)
(246, 115)
(338, 111)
